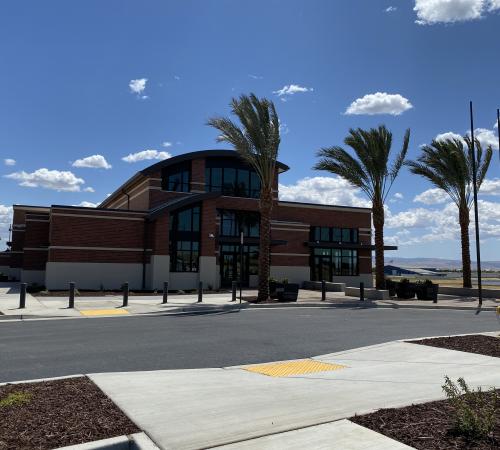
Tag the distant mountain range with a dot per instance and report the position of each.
(439, 263)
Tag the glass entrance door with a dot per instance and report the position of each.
(230, 264)
(230, 267)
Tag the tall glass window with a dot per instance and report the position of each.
(333, 234)
(231, 178)
(177, 178)
(232, 223)
(327, 263)
(185, 240)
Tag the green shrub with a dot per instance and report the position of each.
(474, 410)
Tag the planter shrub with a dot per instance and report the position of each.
(426, 290)
(405, 289)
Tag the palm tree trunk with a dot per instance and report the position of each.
(266, 205)
(378, 224)
(463, 218)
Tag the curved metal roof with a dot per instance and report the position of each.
(201, 154)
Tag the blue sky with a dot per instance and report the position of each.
(68, 71)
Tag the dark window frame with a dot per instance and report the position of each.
(318, 233)
(233, 187)
(179, 238)
(238, 214)
(182, 169)
(339, 262)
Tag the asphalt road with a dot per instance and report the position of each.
(48, 348)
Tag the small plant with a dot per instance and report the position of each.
(474, 410)
(15, 399)
(284, 280)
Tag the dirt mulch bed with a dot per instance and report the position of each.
(474, 343)
(428, 426)
(57, 413)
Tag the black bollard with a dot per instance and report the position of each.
(125, 294)
(323, 290)
(22, 296)
(200, 292)
(165, 292)
(71, 295)
(234, 284)
(362, 291)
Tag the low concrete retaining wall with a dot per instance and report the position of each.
(467, 292)
(330, 287)
(370, 293)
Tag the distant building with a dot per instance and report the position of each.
(423, 272)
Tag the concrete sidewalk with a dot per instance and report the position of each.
(240, 408)
(111, 305)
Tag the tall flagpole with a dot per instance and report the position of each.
(476, 214)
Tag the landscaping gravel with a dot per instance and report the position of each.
(474, 343)
(51, 414)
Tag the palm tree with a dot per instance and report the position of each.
(448, 165)
(370, 172)
(257, 141)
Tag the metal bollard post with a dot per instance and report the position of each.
(233, 291)
(125, 294)
(165, 292)
(22, 296)
(71, 295)
(200, 292)
(362, 291)
(323, 290)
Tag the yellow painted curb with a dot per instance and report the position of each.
(299, 367)
(103, 312)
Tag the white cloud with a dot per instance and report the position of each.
(420, 225)
(323, 190)
(89, 189)
(87, 204)
(391, 9)
(291, 89)
(380, 103)
(9, 162)
(430, 12)
(5, 221)
(177, 77)
(93, 162)
(255, 77)
(434, 196)
(490, 187)
(48, 179)
(449, 135)
(486, 137)
(138, 87)
(396, 197)
(145, 155)
(483, 135)
(166, 144)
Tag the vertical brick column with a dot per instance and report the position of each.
(198, 175)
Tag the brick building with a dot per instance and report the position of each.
(179, 220)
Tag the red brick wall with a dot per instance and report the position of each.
(70, 229)
(208, 226)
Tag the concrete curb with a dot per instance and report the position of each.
(200, 310)
(136, 441)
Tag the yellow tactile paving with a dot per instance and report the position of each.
(299, 367)
(103, 312)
